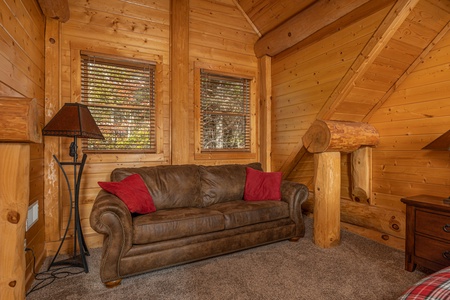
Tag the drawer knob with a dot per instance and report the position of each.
(446, 228)
(446, 254)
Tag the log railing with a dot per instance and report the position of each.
(326, 139)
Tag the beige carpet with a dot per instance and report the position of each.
(357, 269)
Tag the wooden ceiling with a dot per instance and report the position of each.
(266, 15)
(283, 24)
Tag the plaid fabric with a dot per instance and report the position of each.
(433, 287)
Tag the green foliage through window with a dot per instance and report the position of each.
(121, 97)
(224, 112)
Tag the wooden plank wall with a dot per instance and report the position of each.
(219, 36)
(303, 80)
(117, 28)
(22, 75)
(416, 113)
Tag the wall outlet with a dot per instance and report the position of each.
(33, 215)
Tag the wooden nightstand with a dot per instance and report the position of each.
(427, 232)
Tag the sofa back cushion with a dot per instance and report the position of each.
(223, 183)
(170, 186)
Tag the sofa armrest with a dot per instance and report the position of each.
(295, 194)
(111, 217)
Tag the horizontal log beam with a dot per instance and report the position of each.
(339, 136)
(306, 23)
(384, 220)
(19, 120)
(56, 9)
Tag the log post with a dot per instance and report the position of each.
(327, 193)
(361, 166)
(265, 110)
(14, 198)
(20, 126)
(326, 139)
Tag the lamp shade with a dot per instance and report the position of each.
(73, 120)
(441, 143)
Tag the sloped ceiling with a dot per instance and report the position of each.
(409, 31)
(267, 15)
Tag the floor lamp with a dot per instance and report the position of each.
(73, 120)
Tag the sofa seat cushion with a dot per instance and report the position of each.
(175, 223)
(240, 213)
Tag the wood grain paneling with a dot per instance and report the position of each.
(304, 80)
(133, 30)
(267, 14)
(22, 75)
(410, 73)
(220, 39)
(218, 34)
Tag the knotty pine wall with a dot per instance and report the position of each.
(416, 113)
(120, 29)
(22, 75)
(303, 79)
(219, 37)
(418, 109)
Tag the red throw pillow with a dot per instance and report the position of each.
(133, 192)
(262, 185)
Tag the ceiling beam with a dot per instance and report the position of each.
(388, 27)
(317, 16)
(56, 9)
(349, 19)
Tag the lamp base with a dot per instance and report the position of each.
(75, 261)
(447, 200)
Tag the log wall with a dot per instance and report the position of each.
(22, 75)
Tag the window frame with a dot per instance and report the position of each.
(232, 153)
(123, 155)
(151, 109)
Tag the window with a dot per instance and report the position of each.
(120, 94)
(225, 114)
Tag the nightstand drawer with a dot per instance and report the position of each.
(436, 225)
(433, 250)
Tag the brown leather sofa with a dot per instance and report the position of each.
(200, 213)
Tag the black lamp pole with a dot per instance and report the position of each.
(73, 120)
(75, 260)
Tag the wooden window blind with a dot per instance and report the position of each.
(121, 97)
(224, 112)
